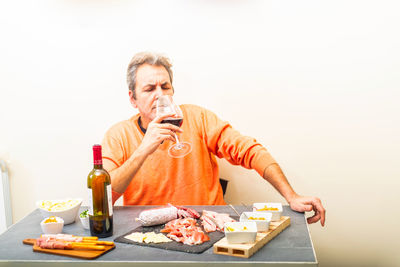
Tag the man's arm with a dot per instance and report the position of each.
(228, 143)
(122, 176)
(274, 175)
(156, 133)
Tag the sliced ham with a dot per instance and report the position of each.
(213, 221)
(64, 237)
(185, 212)
(208, 225)
(185, 231)
(52, 243)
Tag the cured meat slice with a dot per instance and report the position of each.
(64, 237)
(185, 231)
(187, 212)
(208, 225)
(48, 242)
(213, 221)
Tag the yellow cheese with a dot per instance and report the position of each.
(150, 237)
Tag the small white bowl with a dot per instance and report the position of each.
(239, 235)
(68, 214)
(52, 227)
(263, 224)
(276, 214)
(85, 222)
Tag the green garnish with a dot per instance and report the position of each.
(84, 214)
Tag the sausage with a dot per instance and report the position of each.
(158, 216)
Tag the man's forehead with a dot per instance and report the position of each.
(149, 74)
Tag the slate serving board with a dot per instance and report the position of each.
(177, 246)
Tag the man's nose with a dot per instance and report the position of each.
(159, 91)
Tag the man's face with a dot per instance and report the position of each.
(151, 82)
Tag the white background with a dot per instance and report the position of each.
(316, 82)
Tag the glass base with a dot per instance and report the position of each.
(179, 150)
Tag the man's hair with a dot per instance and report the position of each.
(141, 58)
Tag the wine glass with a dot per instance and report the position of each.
(165, 105)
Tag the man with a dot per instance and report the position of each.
(135, 151)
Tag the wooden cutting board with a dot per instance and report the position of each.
(83, 254)
(246, 250)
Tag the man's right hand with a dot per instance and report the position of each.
(158, 132)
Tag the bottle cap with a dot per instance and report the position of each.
(97, 158)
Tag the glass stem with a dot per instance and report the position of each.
(177, 140)
(178, 145)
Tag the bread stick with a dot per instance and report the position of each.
(88, 237)
(95, 242)
(87, 247)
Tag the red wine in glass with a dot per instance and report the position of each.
(165, 105)
(175, 121)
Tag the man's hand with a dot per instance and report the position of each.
(302, 204)
(275, 176)
(157, 133)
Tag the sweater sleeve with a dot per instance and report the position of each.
(112, 157)
(112, 152)
(226, 142)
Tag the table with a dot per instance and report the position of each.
(292, 247)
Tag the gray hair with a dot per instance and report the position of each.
(141, 58)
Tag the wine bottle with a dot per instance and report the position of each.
(100, 203)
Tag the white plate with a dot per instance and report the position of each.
(68, 215)
(262, 225)
(240, 236)
(276, 214)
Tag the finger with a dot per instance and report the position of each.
(314, 219)
(319, 209)
(168, 137)
(170, 127)
(167, 132)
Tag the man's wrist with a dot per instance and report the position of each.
(291, 196)
(141, 153)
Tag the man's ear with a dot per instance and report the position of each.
(132, 100)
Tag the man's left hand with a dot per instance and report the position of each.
(302, 204)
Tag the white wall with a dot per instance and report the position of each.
(316, 82)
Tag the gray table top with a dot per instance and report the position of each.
(292, 246)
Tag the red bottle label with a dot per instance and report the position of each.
(97, 158)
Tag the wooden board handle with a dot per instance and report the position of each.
(29, 241)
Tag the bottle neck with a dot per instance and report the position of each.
(98, 166)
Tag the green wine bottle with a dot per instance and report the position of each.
(100, 198)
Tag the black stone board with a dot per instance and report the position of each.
(177, 246)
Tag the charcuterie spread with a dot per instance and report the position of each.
(169, 227)
(190, 231)
(181, 224)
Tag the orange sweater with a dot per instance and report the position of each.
(191, 180)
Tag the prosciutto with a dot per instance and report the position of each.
(63, 237)
(50, 242)
(214, 221)
(185, 231)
